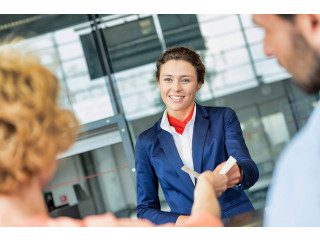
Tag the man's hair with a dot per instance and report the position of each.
(289, 17)
(186, 54)
(33, 128)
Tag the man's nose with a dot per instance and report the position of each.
(268, 50)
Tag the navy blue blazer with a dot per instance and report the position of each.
(216, 136)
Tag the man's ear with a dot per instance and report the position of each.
(309, 26)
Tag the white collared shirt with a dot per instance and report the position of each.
(182, 141)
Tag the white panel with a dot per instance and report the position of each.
(92, 143)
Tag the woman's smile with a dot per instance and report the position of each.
(176, 98)
(178, 84)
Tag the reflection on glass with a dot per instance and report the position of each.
(93, 182)
(61, 51)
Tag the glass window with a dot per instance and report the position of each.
(59, 47)
(93, 182)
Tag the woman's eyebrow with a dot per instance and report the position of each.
(169, 75)
(166, 75)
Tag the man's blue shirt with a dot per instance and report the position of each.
(294, 194)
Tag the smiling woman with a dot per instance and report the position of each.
(178, 85)
(188, 134)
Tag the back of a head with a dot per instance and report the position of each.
(33, 128)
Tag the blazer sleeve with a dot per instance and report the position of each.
(236, 147)
(148, 204)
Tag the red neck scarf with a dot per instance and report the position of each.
(179, 126)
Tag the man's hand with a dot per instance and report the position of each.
(209, 184)
(234, 174)
(219, 182)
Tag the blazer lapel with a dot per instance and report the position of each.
(173, 159)
(200, 130)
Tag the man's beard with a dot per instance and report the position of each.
(305, 65)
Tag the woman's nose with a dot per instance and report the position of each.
(176, 86)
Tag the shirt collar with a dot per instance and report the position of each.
(165, 122)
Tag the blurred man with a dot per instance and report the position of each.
(294, 194)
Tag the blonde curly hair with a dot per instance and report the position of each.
(33, 128)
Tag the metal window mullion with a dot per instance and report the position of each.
(106, 67)
(247, 45)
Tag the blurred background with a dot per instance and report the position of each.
(106, 64)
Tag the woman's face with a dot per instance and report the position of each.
(178, 86)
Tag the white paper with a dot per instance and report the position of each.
(228, 165)
(190, 172)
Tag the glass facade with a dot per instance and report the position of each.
(106, 66)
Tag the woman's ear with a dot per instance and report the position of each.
(309, 27)
(199, 85)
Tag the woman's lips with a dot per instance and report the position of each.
(176, 98)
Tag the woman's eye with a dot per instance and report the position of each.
(167, 79)
(185, 80)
